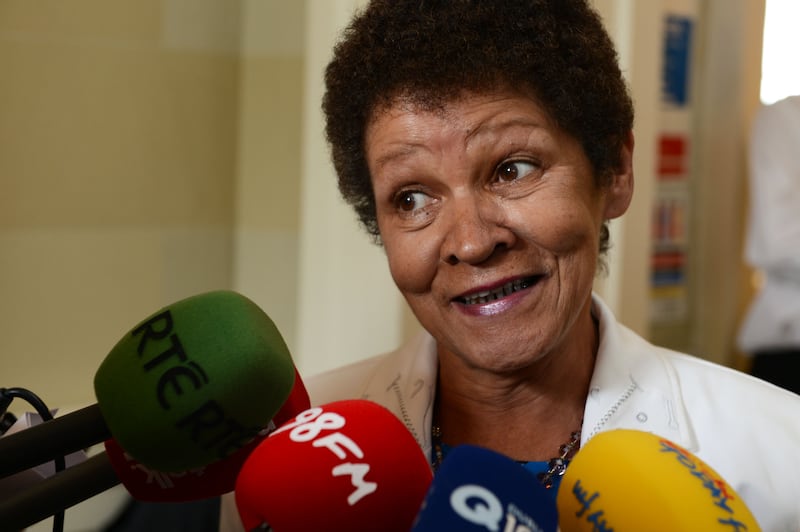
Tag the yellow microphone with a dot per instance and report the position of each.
(629, 480)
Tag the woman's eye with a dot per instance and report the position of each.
(410, 201)
(513, 170)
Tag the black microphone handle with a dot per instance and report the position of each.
(59, 492)
(60, 436)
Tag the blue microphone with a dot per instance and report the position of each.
(477, 489)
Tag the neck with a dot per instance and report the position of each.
(526, 414)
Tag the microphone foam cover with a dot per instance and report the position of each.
(348, 465)
(194, 382)
(633, 480)
(212, 480)
(477, 489)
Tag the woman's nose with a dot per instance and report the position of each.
(475, 231)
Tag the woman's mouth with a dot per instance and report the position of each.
(487, 296)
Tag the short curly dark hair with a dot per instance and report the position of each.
(433, 51)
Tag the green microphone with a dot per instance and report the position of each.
(188, 386)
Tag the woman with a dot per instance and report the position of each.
(486, 145)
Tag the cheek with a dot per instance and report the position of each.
(561, 229)
(575, 231)
(412, 262)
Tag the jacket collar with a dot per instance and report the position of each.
(634, 386)
(405, 383)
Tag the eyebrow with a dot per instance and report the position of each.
(526, 123)
(399, 152)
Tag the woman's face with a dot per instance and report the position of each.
(490, 218)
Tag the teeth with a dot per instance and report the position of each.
(493, 295)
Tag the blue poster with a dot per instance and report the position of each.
(677, 48)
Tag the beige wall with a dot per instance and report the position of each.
(728, 87)
(269, 155)
(128, 177)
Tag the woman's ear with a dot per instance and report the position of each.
(620, 191)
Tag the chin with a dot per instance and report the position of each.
(502, 363)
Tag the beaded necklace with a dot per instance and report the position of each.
(555, 466)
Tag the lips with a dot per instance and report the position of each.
(487, 296)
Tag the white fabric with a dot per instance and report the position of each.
(773, 232)
(744, 428)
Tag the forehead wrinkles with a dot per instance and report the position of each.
(400, 132)
(402, 127)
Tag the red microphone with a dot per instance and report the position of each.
(348, 465)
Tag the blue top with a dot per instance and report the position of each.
(534, 467)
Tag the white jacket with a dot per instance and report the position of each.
(744, 428)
